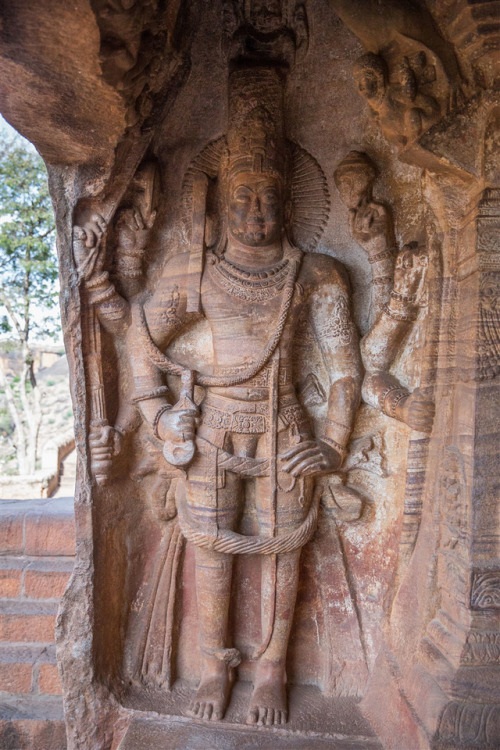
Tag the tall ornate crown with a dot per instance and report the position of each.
(255, 136)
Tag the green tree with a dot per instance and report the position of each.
(28, 284)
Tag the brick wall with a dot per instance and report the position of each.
(37, 546)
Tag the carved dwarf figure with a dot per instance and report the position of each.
(253, 288)
(370, 223)
(403, 110)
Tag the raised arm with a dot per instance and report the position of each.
(382, 343)
(89, 252)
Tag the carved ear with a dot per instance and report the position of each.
(212, 228)
(300, 25)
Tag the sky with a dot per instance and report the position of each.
(6, 129)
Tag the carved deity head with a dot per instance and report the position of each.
(266, 15)
(255, 157)
(371, 76)
(354, 178)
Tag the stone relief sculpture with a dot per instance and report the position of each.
(370, 223)
(398, 289)
(255, 285)
(254, 204)
(245, 274)
(284, 527)
(409, 75)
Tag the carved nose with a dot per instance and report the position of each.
(256, 205)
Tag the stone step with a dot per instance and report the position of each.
(44, 527)
(317, 722)
(32, 722)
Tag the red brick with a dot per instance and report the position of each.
(27, 628)
(11, 533)
(32, 734)
(45, 584)
(49, 681)
(49, 534)
(10, 582)
(15, 677)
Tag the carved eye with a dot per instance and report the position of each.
(270, 196)
(242, 195)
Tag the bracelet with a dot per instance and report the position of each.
(382, 280)
(158, 416)
(408, 318)
(98, 296)
(399, 394)
(384, 394)
(380, 256)
(342, 451)
(394, 405)
(340, 430)
(396, 295)
(162, 390)
(96, 281)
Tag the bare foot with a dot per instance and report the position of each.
(213, 692)
(268, 704)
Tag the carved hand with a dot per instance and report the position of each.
(416, 411)
(410, 272)
(88, 245)
(133, 230)
(177, 425)
(311, 457)
(163, 497)
(104, 443)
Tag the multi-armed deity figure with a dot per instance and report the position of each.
(255, 202)
(253, 287)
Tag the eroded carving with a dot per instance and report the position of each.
(410, 74)
(398, 291)
(370, 223)
(254, 284)
(485, 590)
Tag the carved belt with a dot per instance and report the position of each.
(250, 417)
(242, 423)
(247, 417)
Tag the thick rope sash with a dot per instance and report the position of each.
(232, 543)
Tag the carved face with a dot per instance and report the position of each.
(265, 15)
(255, 215)
(354, 185)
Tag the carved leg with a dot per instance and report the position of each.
(213, 590)
(280, 578)
(268, 704)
